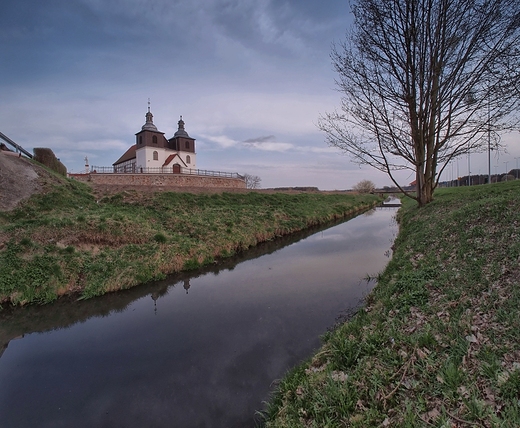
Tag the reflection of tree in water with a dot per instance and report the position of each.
(369, 212)
(67, 311)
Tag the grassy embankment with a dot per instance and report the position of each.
(437, 344)
(64, 241)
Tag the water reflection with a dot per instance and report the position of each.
(15, 322)
(190, 351)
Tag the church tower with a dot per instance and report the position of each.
(150, 144)
(184, 144)
(149, 135)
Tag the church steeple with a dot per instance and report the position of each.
(181, 132)
(149, 126)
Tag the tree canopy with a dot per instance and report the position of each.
(423, 82)
(364, 186)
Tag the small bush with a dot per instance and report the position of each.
(160, 238)
(364, 186)
(46, 157)
(26, 241)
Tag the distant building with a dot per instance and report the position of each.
(152, 152)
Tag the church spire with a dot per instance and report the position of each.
(181, 131)
(149, 126)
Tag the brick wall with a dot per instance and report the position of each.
(166, 180)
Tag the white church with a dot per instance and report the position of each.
(152, 152)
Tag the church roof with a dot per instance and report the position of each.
(128, 155)
(149, 126)
(181, 132)
(171, 157)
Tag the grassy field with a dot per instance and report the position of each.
(64, 241)
(437, 344)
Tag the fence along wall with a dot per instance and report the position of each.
(161, 180)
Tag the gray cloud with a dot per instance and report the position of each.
(75, 76)
(260, 139)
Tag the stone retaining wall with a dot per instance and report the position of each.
(160, 180)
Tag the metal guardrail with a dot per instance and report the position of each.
(16, 146)
(160, 170)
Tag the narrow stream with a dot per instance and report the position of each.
(189, 351)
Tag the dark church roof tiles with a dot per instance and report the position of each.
(128, 155)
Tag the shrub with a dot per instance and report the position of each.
(46, 157)
(160, 238)
(364, 186)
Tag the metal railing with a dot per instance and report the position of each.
(205, 172)
(132, 169)
(16, 146)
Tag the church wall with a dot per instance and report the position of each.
(146, 138)
(144, 157)
(192, 164)
(128, 166)
(165, 180)
(140, 158)
(186, 145)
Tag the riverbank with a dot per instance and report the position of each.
(437, 343)
(67, 239)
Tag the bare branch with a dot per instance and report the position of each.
(425, 81)
(252, 181)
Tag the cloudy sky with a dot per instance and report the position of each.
(249, 77)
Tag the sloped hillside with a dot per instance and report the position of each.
(19, 179)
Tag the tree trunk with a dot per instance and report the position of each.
(424, 186)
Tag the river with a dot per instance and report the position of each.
(199, 350)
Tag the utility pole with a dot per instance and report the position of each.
(469, 170)
(458, 175)
(489, 140)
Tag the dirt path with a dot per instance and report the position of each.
(18, 180)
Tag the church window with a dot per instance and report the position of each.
(140, 139)
(187, 144)
(188, 159)
(154, 139)
(155, 156)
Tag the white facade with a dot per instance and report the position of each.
(155, 157)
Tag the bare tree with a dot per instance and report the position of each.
(252, 181)
(364, 186)
(425, 81)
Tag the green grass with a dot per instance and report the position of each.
(437, 343)
(65, 241)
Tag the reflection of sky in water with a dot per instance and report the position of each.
(202, 358)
